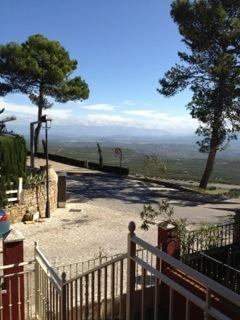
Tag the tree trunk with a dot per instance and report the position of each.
(40, 109)
(37, 130)
(208, 169)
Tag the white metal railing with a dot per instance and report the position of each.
(12, 305)
(211, 289)
(110, 290)
(77, 268)
(48, 284)
(15, 194)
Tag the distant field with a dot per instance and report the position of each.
(225, 171)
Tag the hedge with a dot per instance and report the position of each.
(82, 164)
(13, 156)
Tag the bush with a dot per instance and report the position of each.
(13, 156)
(153, 166)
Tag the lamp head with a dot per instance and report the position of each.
(47, 120)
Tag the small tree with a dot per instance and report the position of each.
(207, 235)
(153, 166)
(210, 67)
(100, 157)
(42, 69)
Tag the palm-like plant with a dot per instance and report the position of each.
(3, 122)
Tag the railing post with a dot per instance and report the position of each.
(168, 240)
(36, 277)
(64, 297)
(14, 299)
(20, 188)
(131, 272)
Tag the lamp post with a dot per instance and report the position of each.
(32, 148)
(47, 125)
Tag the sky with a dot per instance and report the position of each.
(122, 47)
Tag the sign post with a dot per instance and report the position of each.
(118, 153)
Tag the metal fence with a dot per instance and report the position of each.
(110, 289)
(15, 306)
(211, 291)
(215, 269)
(213, 237)
(77, 268)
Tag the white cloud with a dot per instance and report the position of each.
(129, 103)
(30, 112)
(146, 113)
(167, 122)
(100, 107)
(139, 118)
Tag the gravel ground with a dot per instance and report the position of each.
(80, 232)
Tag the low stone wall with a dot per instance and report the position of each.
(34, 199)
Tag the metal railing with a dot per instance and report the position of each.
(48, 284)
(79, 267)
(211, 290)
(14, 306)
(224, 272)
(117, 289)
(214, 237)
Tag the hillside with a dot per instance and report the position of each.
(183, 160)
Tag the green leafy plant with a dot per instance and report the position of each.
(233, 193)
(2, 192)
(34, 179)
(13, 155)
(208, 236)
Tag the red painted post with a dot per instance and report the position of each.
(13, 298)
(168, 240)
(131, 273)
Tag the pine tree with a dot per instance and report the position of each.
(211, 69)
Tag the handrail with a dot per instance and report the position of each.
(205, 281)
(21, 264)
(15, 274)
(53, 275)
(106, 264)
(180, 289)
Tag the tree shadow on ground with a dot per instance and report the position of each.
(105, 186)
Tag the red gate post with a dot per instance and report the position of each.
(167, 239)
(131, 269)
(13, 298)
(168, 242)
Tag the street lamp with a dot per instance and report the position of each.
(32, 147)
(47, 125)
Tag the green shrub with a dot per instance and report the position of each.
(13, 155)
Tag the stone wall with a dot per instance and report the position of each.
(34, 199)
